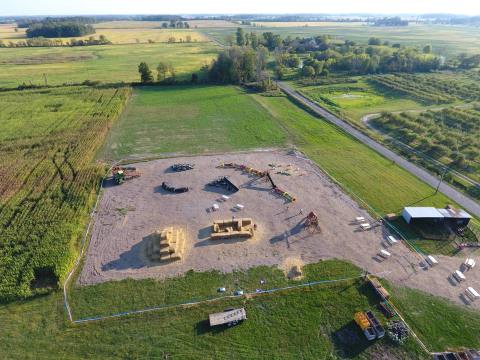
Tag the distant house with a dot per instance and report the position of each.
(450, 217)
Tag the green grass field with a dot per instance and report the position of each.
(355, 100)
(309, 323)
(107, 63)
(186, 120)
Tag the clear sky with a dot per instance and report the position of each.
(75, 7)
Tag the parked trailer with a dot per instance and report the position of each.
(362, 321)
(379, 289)
(228, 317)
(377, 327)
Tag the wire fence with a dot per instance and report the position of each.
(225, 297)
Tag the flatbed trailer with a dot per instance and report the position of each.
(377, 327)
(228, 317)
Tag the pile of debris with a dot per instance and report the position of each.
(173, 189)
(397, 331)
(182, 167)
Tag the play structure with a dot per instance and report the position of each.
(182, 167)
(173, 189)
(167, 245)
(260, 174)
(120, 174)
(224, 182)
(311, 222)
(233, 228)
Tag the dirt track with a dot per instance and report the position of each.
(130, 213)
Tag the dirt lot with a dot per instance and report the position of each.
(130, 213)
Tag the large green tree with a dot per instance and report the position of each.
(146, 75)
(240, 37)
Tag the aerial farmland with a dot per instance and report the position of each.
(184, 187)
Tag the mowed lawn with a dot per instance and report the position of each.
(105, 63)
(355, 100)
(362, 172)
(309, 323)
(186, 120)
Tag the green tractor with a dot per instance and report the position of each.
(122, 174)
(119, 177)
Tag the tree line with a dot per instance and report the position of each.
(174, 24)
(58, 29)
(44, 42)
(390, 21)
(166, 73)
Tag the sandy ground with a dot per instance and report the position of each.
(130, 213)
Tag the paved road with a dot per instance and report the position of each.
(467, 203)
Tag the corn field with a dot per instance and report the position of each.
(48, 179)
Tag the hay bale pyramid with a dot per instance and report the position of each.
(167, 245)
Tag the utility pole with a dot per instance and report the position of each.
(441, 179)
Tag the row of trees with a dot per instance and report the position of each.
(268, 39)
(55, 29)
(239, 65)
(165, 73)
(173, 24)
(325, 55)
(390, 21)
(44, 42)
(235, 65)
(447, 135)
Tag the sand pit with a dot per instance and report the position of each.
(292, 267)
(129, 214)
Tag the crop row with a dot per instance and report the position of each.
(449, 135)
(49, 139)
(433, 88)
(419, 90)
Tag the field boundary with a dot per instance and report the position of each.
(298, 154)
